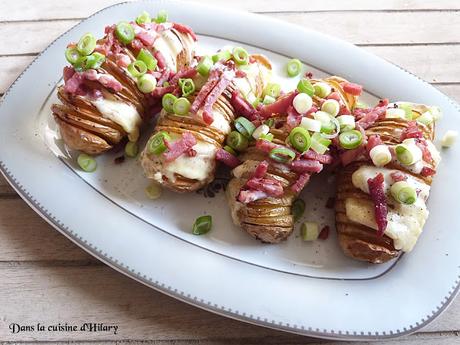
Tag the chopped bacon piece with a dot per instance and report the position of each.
(352, 88)
(205, 90)
(324, 159)
(372, 142)
(73, 83)
(303, 166)
(312, 110)
(227, 158)
(179, 147)
(427, 171)
(268, 186)
(334, 95)
(242, 107)
(324, 233)
(184, 73)
(212, 97)
(265, 145)
(123, 60)
(247, 196)
(377, 194)
(160, 59)
(160, 91)
(68, 73)
(137, 44)
(146, 38)
(185, 30)
(411, 131)
(293, 118)
(109, 81)
(350, 156)
(367, 117)
(261, 170)
(280, 106)
(426, 154)
(300, 183)
(398, 176)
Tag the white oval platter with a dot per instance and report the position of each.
(304, 288)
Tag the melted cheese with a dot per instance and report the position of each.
(405, 222)
(198, 167)
(122, 113)
(170, 47)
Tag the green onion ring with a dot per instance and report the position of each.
(244, 126)
(350, 139)
(282, 155)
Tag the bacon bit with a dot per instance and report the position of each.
(280, 106)
(268, 186)
(265, 145)
(137, 44)
(261, 170)
(123, 60)
(146, 38)
(309, 75)
(411, 131)
(109, 81)
(372, 142)
(68, 72)
(247, 196)
(165, 76)
(427, 171)
(350, 156)
(324, 233)
(160, 91)
(293, 118)
(179, 147)
(426, 154)
(324, 159)
(334, 95)
(205, 90)
(352, 88)
(306, 166)
(227, 158)
(212, 97)
(119, 160)
(240, 74)
(242, 107)
(185, 30)
(380, 203)
(367, 117)
(312, 110)
(73, 83)
(330, 203)
(398, 176)
(300, 183)
(160, 59)
(184, 73)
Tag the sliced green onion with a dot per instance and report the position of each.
(272, 90)
(408, 114)
(72, 55)
(310, 124)
(86, 44)
(403, 193)
(300, 139)
(408, 154)
(240, 56)
(255, 102)
(282, 155)
(146, 83)
(131, 149)
(181, 106)
(331, 106)
(350, 139)
(346, 122)
(270, 122)
(162, 16)
(327, 126)
(125, 32)
(380, 155)
(153, 191)
(395, 113)
(146, 57)
(322, 90)
(321, 139)
(237, 141)
(202, 225)
(261, 130)
(318, 147)
(449, 138)
(223, 56)
(304, 86)
(298, 208)
(426, 118)
(244, 126)
(93, 61)
(187, 86)
(167, 102)
(309, 231)
(268, 137)
(268, 100)
(293, 67)
(204, 66)
(143, 18)
(156, 144)
(302, 103)
(86, 162)
(137, 68)
(230, 150)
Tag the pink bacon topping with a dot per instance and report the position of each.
(306, 166)
(185, 30)
(380, 202)
(242, 107)
(411, 131)
(301, 182)
(179, 147)
(227, 158)
(280, 106)
(352, 88)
